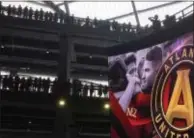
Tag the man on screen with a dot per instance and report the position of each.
(120, 99)
(138, 111)
(151, 65)
(140, 69)
(133, 85)
(135, 102)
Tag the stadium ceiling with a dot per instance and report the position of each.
(122, 12)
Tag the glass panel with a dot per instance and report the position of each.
(57, 2)
(51, 77)
(100, 10)
(162, 12)
(95, 81)
(29, 4)
(3, 73)
(145, 5)
(62, 7)
(128, 19)
(188, 10)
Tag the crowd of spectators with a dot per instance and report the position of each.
(17, 83)
(63, 18)
(157, 24)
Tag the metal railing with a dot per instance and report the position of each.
(182, 13)
(39, 85)
(87, 22)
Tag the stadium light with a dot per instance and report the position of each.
(106, 106)
(61, 103)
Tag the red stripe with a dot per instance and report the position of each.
(143, 99)
(118, 112)
(166, 94)
(114, 133)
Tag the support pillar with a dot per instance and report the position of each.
(135, 13)
(63, 114)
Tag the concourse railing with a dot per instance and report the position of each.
(30, 14)
(39, 85)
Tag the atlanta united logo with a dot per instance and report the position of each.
(172, 100)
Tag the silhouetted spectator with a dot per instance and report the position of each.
(95, 23)
(16, 83)
(76, 87)
(5, 82)
(13, 10)
(72, 19)
(56, 17)
(66, 19)
(100, 90)
(114, 25)
(29, 84)
(61, 17)
(39, 85)
(41, 14)
(10, 83)
(46, 16)
(105, 90)
(42, 85)
(87, 23)
(36, 14)
(54, 85)
(129, 27)
(91, 89)
(155, 23)
(145, 30)
(22, 82)
(79, 22)
(35, 84)
(19, 11)
(46, 84)
(9, 10)
(124, 27)
(30, 13)
(79, 86)
(107, 25)
(26, 12)
(169, 21)
(173, 19)
(166, 21)
(85, 90)
(26, 85)
(50, 16)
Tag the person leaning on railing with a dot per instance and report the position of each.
(156, 24)
(169, 21)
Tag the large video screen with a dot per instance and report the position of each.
(152, 91)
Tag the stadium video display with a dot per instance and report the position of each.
(152, 91)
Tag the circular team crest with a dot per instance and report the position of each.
(172, 99)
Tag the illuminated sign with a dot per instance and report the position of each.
(172, 98)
